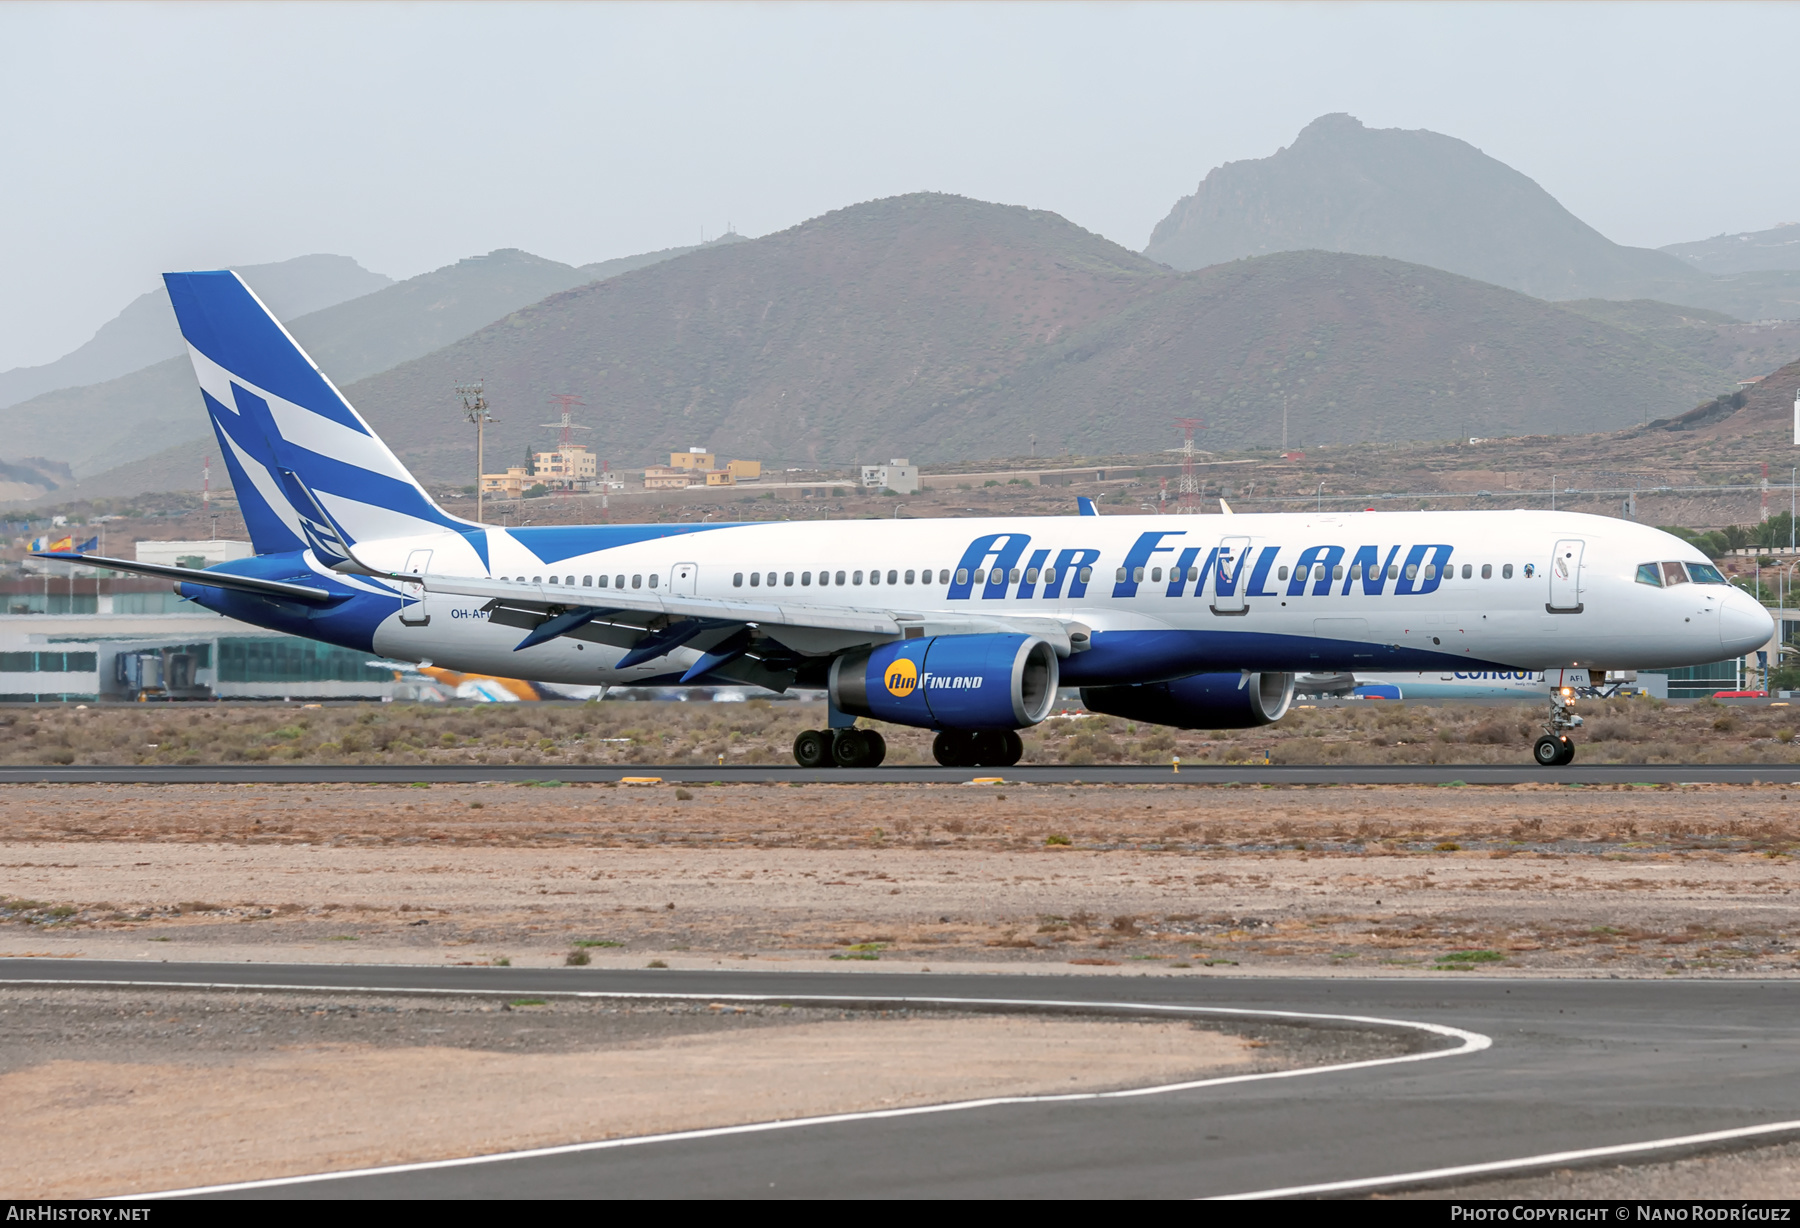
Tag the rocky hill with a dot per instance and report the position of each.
(1431, 199)
(1753, 251)
(145, 332)
(939, 327)
(1712, 338)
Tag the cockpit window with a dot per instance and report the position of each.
(1649, 573)
(1705, 573)
(1673, 574)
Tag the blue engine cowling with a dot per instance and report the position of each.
(950, 681)
(1200, 701)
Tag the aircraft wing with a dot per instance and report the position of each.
(565, 610)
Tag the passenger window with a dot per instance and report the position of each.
(856, 577)
(756, 579)
(962, 575)
(1529, 568)
(1281, 573)
(1086, 575)
(1049, 575)
(553, 579)
(737, 580)
(1673, 574)
(1194, 574)
(587, 582)
(909, 576)
(1121, 578)
(1431, 571)
(824, 578)
(840, 579)
(1337, 573)
(1393, 571)
(1649, 573)
(787, 580)
(637, 581)
(1468, 572)
(1506, 571)
(1012, 576)
(874, 577)
(1319, 572)
(568, 579)
(806, 579)
(944, 576)
(604, 579)
(1412, 571)
(537, 579)
(1137, 575)
(653, 579)
(893, 577)
(618, 581)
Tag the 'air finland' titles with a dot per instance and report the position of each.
(1197, 621)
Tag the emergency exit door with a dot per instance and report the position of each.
(1565, 577)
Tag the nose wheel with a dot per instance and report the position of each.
(1556, 748)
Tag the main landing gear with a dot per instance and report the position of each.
(1555, 749)
(851, 748)
(977, 748)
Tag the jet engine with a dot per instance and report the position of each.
(950, 681)
(1200, 701)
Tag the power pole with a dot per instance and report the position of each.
(475, 408)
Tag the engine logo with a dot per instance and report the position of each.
(902, 677)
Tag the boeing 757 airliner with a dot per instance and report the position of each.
(966, 627)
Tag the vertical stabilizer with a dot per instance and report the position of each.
(308, 471)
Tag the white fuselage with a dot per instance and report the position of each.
(1485, 588)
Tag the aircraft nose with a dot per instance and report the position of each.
(1744, 625)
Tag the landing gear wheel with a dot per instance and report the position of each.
(812, 749)
(849, 748)
(990, 748)
(1014, 749)
(875, 748)
(954, 748)
(1553, 751)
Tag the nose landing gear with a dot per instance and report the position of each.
(1555, 748)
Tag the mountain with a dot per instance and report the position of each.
(145, 332)
(1431, 199)
(942, 328)
(1754, 251)
(1712, 338)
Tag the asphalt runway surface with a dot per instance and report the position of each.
(1133, 774)
(1576, 1071)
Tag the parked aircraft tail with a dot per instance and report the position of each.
(308, 471)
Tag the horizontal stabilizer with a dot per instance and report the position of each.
(212, 579)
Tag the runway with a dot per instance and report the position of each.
(1133, 774)
(1573, 1066)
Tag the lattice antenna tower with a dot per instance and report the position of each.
(1187, 501)
(566, 401)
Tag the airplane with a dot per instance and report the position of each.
(963, 627)
(1437, 684)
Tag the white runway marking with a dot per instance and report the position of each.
(1469, 1042)
(1547, 1160)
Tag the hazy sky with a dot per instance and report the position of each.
(142, 137)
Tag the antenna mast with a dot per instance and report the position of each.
(1187, 501)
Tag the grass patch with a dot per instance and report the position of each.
(1055, 838)
(342, 938)
(518, 1002)
(596, 942)
(1469, 959)
(577, 958)
(656, 963)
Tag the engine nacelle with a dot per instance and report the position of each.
(1200, 701)
(950, 681)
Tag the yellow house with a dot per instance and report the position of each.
(720, 477)
(693, 458)
(508, 485)
(570, 468)
(744, 471)
(659, 477)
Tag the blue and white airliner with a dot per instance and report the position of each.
(966, 627)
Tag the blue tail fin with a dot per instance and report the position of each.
(308, 471)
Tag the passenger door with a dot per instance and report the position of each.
(1565, 577)
(1228, 586)
(684, 580)
(415, 613)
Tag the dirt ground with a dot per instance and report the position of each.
(130, 1091)
(1692, 880)
(761, 731)
(1762, 1173)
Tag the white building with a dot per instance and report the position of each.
(899, 475)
